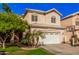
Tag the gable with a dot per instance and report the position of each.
(41, 12)
(53, 11)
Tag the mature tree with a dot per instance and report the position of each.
(9, 12)
(6, 8)
(8, 24)
(4, 32)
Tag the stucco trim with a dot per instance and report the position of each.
(41, 12)
(47, 27)
(71, 15)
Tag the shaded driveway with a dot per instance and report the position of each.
(62, 49)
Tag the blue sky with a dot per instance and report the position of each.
(64, 8)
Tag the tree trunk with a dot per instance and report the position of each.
(13, 36)
(3, 45)
(37, 42)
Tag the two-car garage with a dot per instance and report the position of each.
(52, 38)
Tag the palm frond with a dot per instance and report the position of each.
(6, 8)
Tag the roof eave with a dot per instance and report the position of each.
(55, 10)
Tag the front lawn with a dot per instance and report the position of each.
(38, 51)
(14, 50)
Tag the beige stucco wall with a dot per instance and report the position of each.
(77, 26)
(65, 23)
(48, 18)
(74, 21)
(46, 30)
(68, 22)
(43, 19)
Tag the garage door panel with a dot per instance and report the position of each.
(52, 39)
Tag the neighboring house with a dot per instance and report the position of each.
(48, 22)
(70, 20)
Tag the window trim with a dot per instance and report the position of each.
(53, 19)
(34, 18)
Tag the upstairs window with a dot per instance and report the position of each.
(34, 18)
(53, 19)
(77, 23)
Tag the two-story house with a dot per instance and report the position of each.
(70, 20)
(48, 22)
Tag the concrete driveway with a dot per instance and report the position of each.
(62, 49)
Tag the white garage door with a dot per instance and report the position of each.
(52, 38)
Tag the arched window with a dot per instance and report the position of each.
(53, 19)
(34, 18)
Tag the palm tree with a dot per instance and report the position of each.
(32, 38)
(39, 35)
(6, 8)
(29, 38)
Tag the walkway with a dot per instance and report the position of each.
(62, 49)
